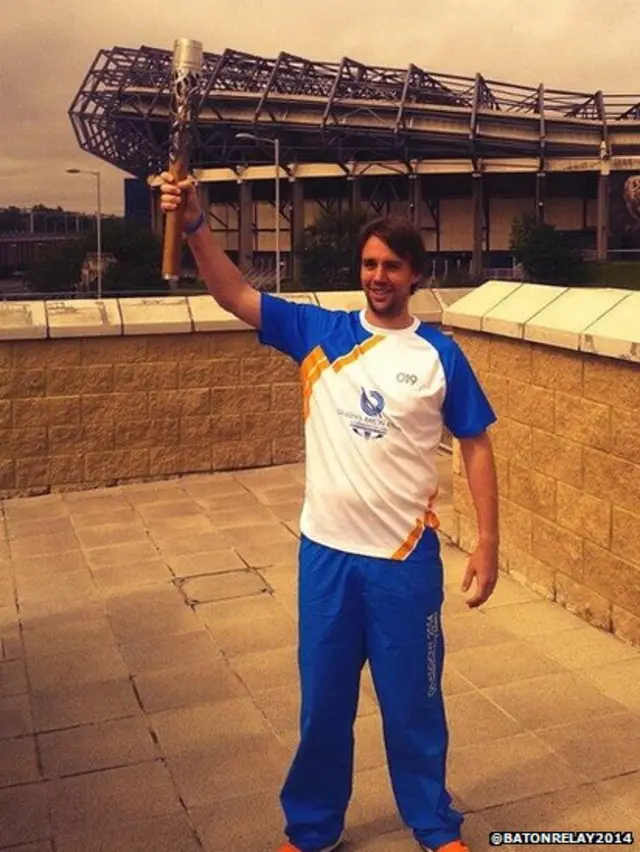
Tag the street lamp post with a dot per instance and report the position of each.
(96, 174)
(276, 156)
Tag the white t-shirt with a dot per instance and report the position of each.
(375, 401)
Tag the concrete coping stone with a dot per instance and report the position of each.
(83, 318)
(446, 296)
(617, 332)
(342, 300)
(207, 315)
(156, 315)
(602, 321)
(425, 306)
(22, 320)
(469, 311)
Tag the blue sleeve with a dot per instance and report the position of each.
(466, 409)
(290, 327)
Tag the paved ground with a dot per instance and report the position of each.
(148, 687)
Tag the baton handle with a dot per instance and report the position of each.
(174, 221)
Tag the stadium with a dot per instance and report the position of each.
(460, 156)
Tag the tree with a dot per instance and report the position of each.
(58, 271)
(13, 219)
(326, 251)
(548, 256)
(135, 253)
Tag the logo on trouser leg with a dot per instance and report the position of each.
(433, 634)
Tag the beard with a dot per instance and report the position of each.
(391, 303)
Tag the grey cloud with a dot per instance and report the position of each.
(47, 49)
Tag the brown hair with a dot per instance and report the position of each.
(402, 237)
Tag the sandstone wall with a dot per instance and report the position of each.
(88, 412)
(567, 446)
(98, 393)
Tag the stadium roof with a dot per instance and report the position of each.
(340, 113)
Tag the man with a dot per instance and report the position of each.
(378, 385)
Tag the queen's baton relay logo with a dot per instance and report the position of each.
(368, 423)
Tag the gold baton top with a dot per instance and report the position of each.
(187, 55)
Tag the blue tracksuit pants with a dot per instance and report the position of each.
(353, 609)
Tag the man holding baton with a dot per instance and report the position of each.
(378, 387)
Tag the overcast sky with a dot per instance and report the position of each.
(46, 48)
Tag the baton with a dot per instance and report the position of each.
(185, 77)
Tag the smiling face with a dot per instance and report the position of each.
(387, 281)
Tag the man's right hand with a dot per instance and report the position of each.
(173, 193)
(222, 277)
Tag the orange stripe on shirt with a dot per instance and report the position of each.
(358, 350)
(310, 371)
(428, 521)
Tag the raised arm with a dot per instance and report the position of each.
(222, 277)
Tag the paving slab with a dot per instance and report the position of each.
(598, 747)
(167, 724)
(474, 718)
(217, 587)
(11, 645)
(626, 789)
(373, 804)
(166, 652)
(248, 822)
(55, 636)
(506, 662)
(619, 681)
(24, 815)
(88, 748)
(261, 536)
(75, 585)
(54, 564)
(266, 633)
(108, 534)
(15, 717)
(590, 807)
(114, 578)
(178, 545)
(262, 556)
(224, 773)
(249, 520)
(277, 667)
(552, 699)
(93, 702)
(13, 678)
(206, 726)
(67, 671)
(188, 685)
(491, 773)
(29, 528)
(140, 624)
(196, 524)
(128, 554)
(172, 833)
(42, 846)
(18, 762)
(111, 798)
(589, 648)
(208, 562)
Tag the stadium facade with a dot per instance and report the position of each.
(460, 156)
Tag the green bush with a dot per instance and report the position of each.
(327, 251)
(622, 274)
(547, 255)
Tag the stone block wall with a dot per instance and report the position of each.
(84, 412)
(95, 393)
(567, 446)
